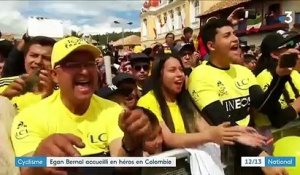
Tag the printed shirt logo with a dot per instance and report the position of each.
(242, 84)
(237, 103)
(195, 95)
(74, 42)
(222, 89)
(237, 108)
(22, 131)
(98, 139)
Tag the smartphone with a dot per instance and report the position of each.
(288, 60)
(246, 14)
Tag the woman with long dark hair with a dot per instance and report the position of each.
(273, 47)
(181, 123)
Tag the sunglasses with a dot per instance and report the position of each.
(140, 67)
(125, 91)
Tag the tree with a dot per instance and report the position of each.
(102, 38)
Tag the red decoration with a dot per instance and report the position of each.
(154, 3)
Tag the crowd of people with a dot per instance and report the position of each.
(172, 95)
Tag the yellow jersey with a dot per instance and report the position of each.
(22, 101)
(149, 101)
(97, 127)
(208, 84)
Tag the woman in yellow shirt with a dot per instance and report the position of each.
(180, 121)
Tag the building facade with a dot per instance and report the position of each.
(270, 16)
(158, 17)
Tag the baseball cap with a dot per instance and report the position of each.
(107, 91)
(121, 77)
(139, 58)
(276, 41)
(65, 46)
(180, 47)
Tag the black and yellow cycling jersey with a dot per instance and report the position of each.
(292, 87)
(228, 94)
(288, 95)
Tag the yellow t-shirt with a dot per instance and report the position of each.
(208, 84)
(97, 127)
(5, 81)
(149, 101)
(22, 101)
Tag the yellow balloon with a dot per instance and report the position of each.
(289, 146)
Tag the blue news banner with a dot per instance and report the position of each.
(95, 161)
(268, 161)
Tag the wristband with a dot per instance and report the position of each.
(128, 151)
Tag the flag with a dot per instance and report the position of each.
(253, 25)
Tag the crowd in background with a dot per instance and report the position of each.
(175, 94)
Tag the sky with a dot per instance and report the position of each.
(88, 17)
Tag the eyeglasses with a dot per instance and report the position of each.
(77, 65)
(125, 91)
(140, 67)
(126, 69)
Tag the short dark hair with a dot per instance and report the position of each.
(41, 40)
(187, 30)
(209, 30)
(170, 33)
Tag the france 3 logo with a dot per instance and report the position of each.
(287, 18)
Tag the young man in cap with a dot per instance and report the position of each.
(140, 68)
(36, 84)
(226, 92)
(272, 47)
(73, 121)
(123, 91)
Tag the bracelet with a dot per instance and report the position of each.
(128, 151)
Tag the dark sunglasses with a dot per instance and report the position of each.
(139, 67)
(125, 91)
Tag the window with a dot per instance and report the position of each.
(171, 21)
(144, 27)
(165, 23)
(297, 18)
(273, 14)
(178, 20)
(194, 11)
(157, 25)
(197, 8)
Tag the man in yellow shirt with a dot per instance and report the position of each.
(73, 121)
(226, 92)
(36, 84)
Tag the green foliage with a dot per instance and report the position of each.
(102, 39)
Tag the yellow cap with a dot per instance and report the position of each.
(138, 49)
(65, 46)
